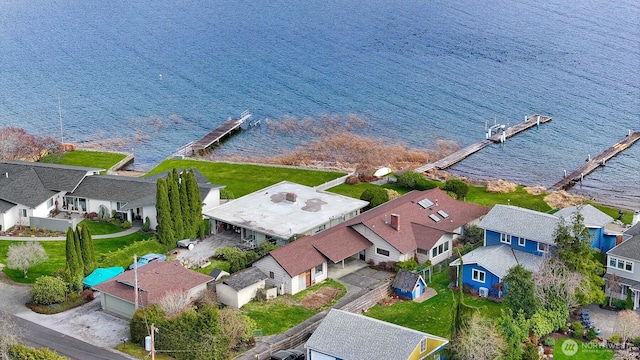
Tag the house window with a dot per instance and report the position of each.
(478, 275)
(522, 241)
(272, 275)
(23, 212)
(321, 227)
(423, 251)
(423, 345)
(440, 249)
(382, 252)
(505, 238)
(318, 270)
(120, 205)
(543, 247)
(50, 203)
(621, 264)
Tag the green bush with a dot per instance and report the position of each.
(549, 341)
(636, 341)
(564, 329)
(375, 196)
(472, 234)
(628, 303)
(146, 227)
(591, 334)
(615, 339)
(48, 290)
(578, 329)
(457, 187)
(103, 213)
(409, 265)
(409, 179)
(21, 351)
(126, 225)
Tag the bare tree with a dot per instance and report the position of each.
(174, 302)
(627, 325)
(9, 334)
(235, 326)
(478, 340)
(25, 256)
(17, 144)
(613, 286)
(555, 279)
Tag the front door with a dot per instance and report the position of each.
(308, 276)
(362, 255)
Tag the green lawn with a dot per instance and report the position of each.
(585, 351)
(355, 191)
(100, 228)
(432, 316)
(104, 249)
(479, 195)
(95, 159)
(282, 313)
(242, 179)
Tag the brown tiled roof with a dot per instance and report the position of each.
(154, 281)
(298, 256)
(339, 242)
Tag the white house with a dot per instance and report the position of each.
(623, 267)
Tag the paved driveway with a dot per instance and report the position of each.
(366, 278)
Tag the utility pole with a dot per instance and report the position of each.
(153, 343)
(135, 284)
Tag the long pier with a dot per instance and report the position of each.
(213, 137)
(593, 163)
(456, 157)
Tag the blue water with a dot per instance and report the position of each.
(162, 73)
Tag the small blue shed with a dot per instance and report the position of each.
(409, 284)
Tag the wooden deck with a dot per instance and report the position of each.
(220, 132)
(456, 157)
(600, 160)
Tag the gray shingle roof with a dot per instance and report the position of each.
(348, 336)
(25, 188)
(5, 206)
(629, 249)
(634, 230)
(53, 176)
(498, 259)
(115, 188)
(521, 222)
(593, 218)
(405, 280)
(244, 278)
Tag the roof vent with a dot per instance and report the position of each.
(291, 197)
(395, 221)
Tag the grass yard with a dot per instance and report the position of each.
(282, 313)
(104, 249)
(585, 351)
(479, 195)
(215, 263)
(95, 159)
(243, 179)
(432, 316)
(355, 191)
(100, 228)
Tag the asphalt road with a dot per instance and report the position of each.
(40, 336)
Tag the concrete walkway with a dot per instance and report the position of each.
(132, 230)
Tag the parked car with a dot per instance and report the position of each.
(144, 260)
(290, 354)
(187, 243)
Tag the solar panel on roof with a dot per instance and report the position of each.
(425, 203)
(443, 214)
(434, 217)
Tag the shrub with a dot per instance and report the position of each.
(628, 303)
(126, 225)
(352, 180)
(375, 196)
(615, 339)
(48, 290)
(21, 351)
(261, 295)
(472, 234)
(457, 187)
(549, 341)
(409, 265)
(564, 329)
(591, 334)
(103, 213)
(88, 295)
(146, 227)
(636, 341)
(578, 329)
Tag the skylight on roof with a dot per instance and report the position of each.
(425, 203)
(443, 214)
(434, 217)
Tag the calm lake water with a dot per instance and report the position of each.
(150, 76)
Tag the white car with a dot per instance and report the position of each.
(187, 243)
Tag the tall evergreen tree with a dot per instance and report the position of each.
(76, 241)
(195, 201)
(70, 251)
(88, 253)
(521, 294)
(164, 229)
(174, 204)
(189, 229)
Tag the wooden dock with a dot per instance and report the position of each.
(218, 133)
(456, 157)
(593, 163)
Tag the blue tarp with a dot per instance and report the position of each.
(100, 275)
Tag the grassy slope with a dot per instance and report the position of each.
(242, 179)
(96, 159)
(100, 228)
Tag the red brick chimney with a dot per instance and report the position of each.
(395, 221)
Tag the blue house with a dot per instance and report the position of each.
(516, 236)
(409, 284)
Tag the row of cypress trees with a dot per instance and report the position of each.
(178, 207)
(81, 259)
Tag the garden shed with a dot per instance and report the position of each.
(241, 287)
(409, 284)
